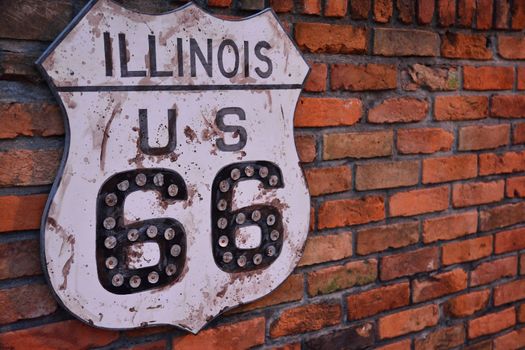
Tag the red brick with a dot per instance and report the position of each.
(406, 9)
(491, 323)
(241, 335)
(327, 111)
(466, 10)
(21, 212)
(331, 38)
(468, 46)
(328, 179)
(452, 168)
(501, 14)
(30, 119)
(359, 336)
(444, 338)
(518, 136)
(479, 137)
(518, 15)
(398, 110)
(424, 141)
(504, 163)
(377, 239)
(227, 3)
(425, 11)
(71, 334)
(450, 226)
(383, 10)
(428, 77)
(156, 345)
(420, 201)
(488, 78)
(321, 249)
(357, 144)
(509, 292)
(311, 7)
(28, 167)
(482, 345)
(306, 148)
(363, 77)
(476, 193)
(25, 302)
(484, 14)
(461, 107)
(521, 313)
(511, 47)
(334, 278)
(439, 285)
(20, 258)
(377, 175)
(316, 81)
(491, 271)
(306, 318)
(446, 12)
(510, 240)
(359, 9)
(521, 78)
(408, 321)
(405, 42)
(467, 304)
(335, 8)
(511, 341)
(294, 346)
(409, 263)
(400, 345)
(374, 301)
(469, 250)
(508, 106)
(347, 212)
(501, 216)
(516, 187)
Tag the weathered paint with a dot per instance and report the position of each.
(103, 112)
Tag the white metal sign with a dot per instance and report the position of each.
(180, 195)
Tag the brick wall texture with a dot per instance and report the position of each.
(411, 133)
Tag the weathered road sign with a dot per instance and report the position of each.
(180, 195)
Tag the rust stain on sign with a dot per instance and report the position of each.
(183, 196)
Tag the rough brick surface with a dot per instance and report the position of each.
(473, 138)
(305, 318)
(320, 37)
(357, 145)
(386, 175)
(488, 78)
(408, 321)
(494, 270)
(328, 180)
(467, 304)
(376, 300)
(409, 263)
(419, 201)
(445, 338)
(317, 112)
(491, 323)
(467, 46)
(346, 212)
(469, 250)
(21, 212)
(450, 226)
(476, 193)
(399, 110)
(440, 284)
(320, 249)
(381, 238)
(405, 42)
(424, 141)
(508, 106)
(445, 169)
(461, 107)
(363, 77)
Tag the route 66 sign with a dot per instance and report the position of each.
(180, 194)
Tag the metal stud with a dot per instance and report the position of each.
(227, 257)
(263, 172)
(134, 281)
(141, 179)
(110, 242)
(222, 205)
(223, 241)
(170, 269)
(256, 215)
(169, 233)
(270, 251)
(274, 180)
(270, 220)
(235, 174)
(274, 235)
(173, 190)
(111, 262)
(222, 223)
(133, 235)
(257, 259)
(241, 261)
(249, 171)
(240, 219)
(123, 185)
(111, 199)
(152, 231)
(153, 277)
(158, 179)
(224, 186)
(117, 280)
(109, 223)
(175, 250)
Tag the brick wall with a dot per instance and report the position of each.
(411, 132)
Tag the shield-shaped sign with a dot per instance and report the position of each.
(180, 195)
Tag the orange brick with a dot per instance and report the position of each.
(439, 285)
(469, 250)
(511, 340)
(491, 271)
(443, 338)
(461, 107)
(406, 10)
(311, 7)
(518, 135)
(28, 167)
(357, 144)
(467, 46)
(419, 201)
(398, 110)
(488, 78)
(511, 240)
(521, 78)
(377, 300)
(509, 292)
(479, 137)
(467, 304)
(21, 212)
(408, 321)
(328, 180)
(446, 12)
(450, 226)
(30, 119)
(382, 10)
(321, 249)
(25, 302)
(306, 148)
(336, 8)
(452, 168)
(331, 38)
(518, 15)
(220, 3)
(363, 77)
(516, 187)
(466, 11)
(425, 11)
(504, 163)
(306, 318)
(280, 6)
(379, 175)
(409, 263)
(319, 112)
(19, 259)
(491, 323)
(501, 216)
(484, 14)
(377, 239)
(400, 345)
(423, 141)
(316, 81)
(508, 106)
(347, 212)
(476, 193)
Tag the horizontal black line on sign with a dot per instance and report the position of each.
(102, 88)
